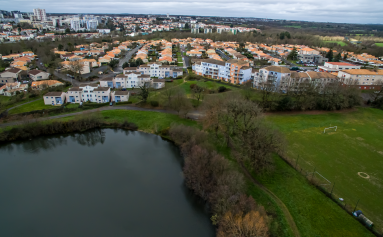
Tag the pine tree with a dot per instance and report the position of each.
(338, 57)
(330, 55)
(293, 54)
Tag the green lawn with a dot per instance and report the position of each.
(379, 44)
(4, 98)
(338, 156)
(313, 212)
(212, 85)
(35, 105)
(341, 43)
(146, 121)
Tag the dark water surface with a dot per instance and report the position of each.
(99, 183)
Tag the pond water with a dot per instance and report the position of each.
(98, 183)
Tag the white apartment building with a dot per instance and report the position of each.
(275, 77)
(75, 24)
(40, 14)
(92, 93)
(91, 24)
(365, 79)
(126, 80)
(233, 71)
(159, 70)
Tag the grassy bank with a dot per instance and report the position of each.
(340, 155)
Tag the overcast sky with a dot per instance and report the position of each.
(347, 11)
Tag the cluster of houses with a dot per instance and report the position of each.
(150, 74)
(93, 93)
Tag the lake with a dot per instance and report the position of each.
(107, 182)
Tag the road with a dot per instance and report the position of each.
(127, 57)
(222, 54)
(185, 59)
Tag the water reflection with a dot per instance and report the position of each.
(36, 145)
(90, 138)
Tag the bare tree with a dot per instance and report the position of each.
(76, 67)
(198, 92)
(180, 103)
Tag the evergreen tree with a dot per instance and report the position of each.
(330, 55)
(338, 57)
(293, 54)
(345, 56)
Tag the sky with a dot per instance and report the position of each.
(342, 11)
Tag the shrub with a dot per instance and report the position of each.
(221, 89)
(192, 86)
(154, 103)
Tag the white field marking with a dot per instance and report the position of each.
(336, 127)
(363, 175)
(324, 179)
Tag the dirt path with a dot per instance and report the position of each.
(285, 210)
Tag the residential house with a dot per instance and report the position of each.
(37, 75)
(158, 83)
(54, 98)
(45, 84)
(120, 96)
(13, 73)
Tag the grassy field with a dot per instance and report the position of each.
(339, 156)
(379, 44)
(211, 85)
(314, 213)
(341, 43)
(146, 121)
(4, 98)
(298, 27)
(35, 105)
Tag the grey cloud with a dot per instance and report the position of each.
(356, 11)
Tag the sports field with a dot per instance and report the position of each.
(351, 157)
(341, 43)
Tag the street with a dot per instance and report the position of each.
(222, 54)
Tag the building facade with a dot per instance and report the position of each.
(40, 14)
(233, 71)
(54, 98)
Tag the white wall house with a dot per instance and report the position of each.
(92, 93)
(159, 70)
(54, 98)
(120, 96)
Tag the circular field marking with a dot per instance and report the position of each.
(363, 175)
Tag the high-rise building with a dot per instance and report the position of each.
(75, 24)
(40, 14)
(91, 24)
